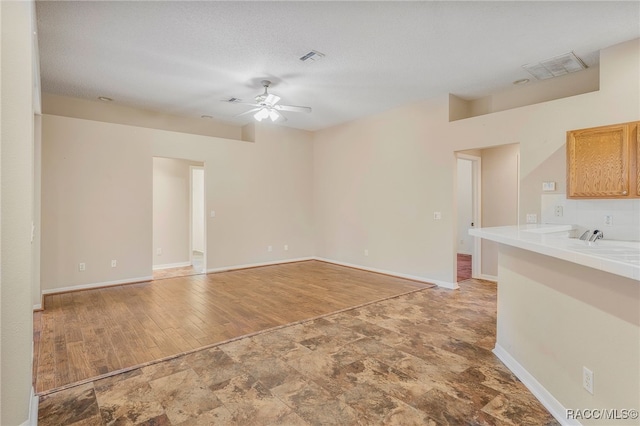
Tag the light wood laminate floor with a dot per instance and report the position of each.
(85, 334)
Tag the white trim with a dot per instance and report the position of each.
(444, 284)
(32, 420)
(37, 86)
(97, 285)
(545, 397)
(171, 265)
(255, 265)
(488, 277)
(37, 307)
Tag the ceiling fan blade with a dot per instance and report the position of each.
(275, 115)
(272, 99)
(248, 112)
(282, 118)
(239, 101)
(292, 108)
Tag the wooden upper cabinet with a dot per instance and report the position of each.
(635, 131)
(602, 162)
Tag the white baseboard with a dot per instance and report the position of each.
(37, 307)
(488, 277)
(172, 265)
(33, 410)
(97, 285)
(255, 265)
(439, 283)
(554, 406)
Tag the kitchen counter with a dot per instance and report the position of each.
(566, 305)
(616, 257)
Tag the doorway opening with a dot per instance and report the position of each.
(179, 226)
(468, 253)
(197, 219)
(492, 191)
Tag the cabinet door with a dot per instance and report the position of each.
(635, 137)
(598, 162)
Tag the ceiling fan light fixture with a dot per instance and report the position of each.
(274, 115)
(261, 115)
(266, 106)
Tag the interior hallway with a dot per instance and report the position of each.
(419, 358)
(463, 267)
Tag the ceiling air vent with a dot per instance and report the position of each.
(312, 56)
(555, 67)
(234, 100)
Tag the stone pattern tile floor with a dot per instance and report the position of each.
(422, 358)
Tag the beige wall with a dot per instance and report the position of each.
(377, 183)
(378, 180)
(553, 169)
(97, 198)
(499, 198)
(171, 210)
(16, 210)
(556, 317)
(261, 193)
(122, 114)
(96, 202)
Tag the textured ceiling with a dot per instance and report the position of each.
(184, 57)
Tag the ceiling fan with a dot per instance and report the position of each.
(266, 105)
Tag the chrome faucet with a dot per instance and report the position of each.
(585, 235)
(597, 235)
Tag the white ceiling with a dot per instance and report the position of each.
(183, 57)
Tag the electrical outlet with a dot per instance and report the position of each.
(608, 220)
(286, 247)
(532, 218)
(82, 267)
(548, 186)
(158, 251)
(269, 248)
(114, 263)
(587, 379)
(366, 252)
(558, 211)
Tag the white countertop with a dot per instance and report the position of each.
(616, 257)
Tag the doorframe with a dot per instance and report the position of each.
(204, 215)
(476, 189)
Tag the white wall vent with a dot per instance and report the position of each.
(312, 56)
(556, 66)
